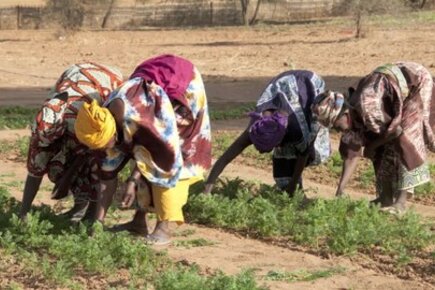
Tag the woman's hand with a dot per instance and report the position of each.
(129, 195)
(339, 192)
(370, 149)
(292, 188)
(208, 188)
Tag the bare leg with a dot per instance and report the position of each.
(385, 198)
(400, 203)
(138, 225)
(30, 189)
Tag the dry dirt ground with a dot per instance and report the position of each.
(236, 64)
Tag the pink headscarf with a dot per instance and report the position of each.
(170, 72)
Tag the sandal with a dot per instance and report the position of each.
(157, 240)
(131, 229)
(393, 210)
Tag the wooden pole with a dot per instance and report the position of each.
(211, 13)
(18, 16)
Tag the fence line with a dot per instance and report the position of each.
(173, 13)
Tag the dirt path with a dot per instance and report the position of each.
(232, 253)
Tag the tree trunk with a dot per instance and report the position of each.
(422, 4)
(358, 22)
(245, 4)
(254, 17)
(108, 13)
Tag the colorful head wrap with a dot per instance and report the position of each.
(267, 131)
(328, 107)
(95, 125)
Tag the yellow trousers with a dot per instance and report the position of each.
(168, 202)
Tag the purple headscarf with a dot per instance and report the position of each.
(267, 132)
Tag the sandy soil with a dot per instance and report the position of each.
(236, 63)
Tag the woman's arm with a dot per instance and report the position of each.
(132, 184)
(232, 152)
(301, 161)
(371, 147)
(30, 190)
(116, 107)
(349, 165)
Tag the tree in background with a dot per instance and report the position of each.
(245, 5)
(359, 9)
(70, 13)
(245, 9)
(109, 10)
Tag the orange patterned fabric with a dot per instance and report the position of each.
(53, 144)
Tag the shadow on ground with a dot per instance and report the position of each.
(222, 92)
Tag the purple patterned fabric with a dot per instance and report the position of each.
(267, 132)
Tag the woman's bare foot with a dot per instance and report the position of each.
(376, 201)
(138, 225)
(161, 234)
(77, 211)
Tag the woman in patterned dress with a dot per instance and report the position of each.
(54, 149)
(283, 122)
(162, 124)
(389, 114)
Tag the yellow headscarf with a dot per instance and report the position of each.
(95, 125)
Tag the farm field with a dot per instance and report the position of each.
(256, 236)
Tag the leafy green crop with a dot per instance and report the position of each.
(335, 164)
(188, 279)
(339, 226)
(367, 177)
(193, 243)
(302, 275)
(235, 112)
(20, 146)
(51, 246)
(16, 117)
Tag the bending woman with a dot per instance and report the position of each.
(389, 115)
(283, 122)
(54, 148)
(162, 123)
